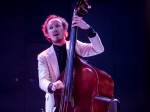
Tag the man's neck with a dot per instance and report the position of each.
(60, 44)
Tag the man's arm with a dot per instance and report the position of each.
(43, 73)
(87, 49)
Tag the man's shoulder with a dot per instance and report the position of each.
(44, 53)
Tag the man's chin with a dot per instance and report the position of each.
(58, 41)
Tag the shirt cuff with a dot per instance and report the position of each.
(90, 32)
(50, 88)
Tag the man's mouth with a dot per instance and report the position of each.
(56, 34)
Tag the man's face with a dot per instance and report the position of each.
(56, 31)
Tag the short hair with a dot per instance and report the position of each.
(52, 16)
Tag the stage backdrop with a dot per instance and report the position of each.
(123, 27)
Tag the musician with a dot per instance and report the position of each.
(52, 61)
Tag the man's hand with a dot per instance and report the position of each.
(78, 21)
(57, 85)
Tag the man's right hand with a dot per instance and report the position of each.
(57, 85)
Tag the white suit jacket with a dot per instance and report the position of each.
(48, 69)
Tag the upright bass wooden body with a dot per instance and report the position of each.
(87, 89)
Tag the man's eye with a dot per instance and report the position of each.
(57, 26)
(50, 27)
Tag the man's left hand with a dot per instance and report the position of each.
(78, 21)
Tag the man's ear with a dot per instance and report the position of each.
(66, 34)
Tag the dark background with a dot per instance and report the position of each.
(124, 29)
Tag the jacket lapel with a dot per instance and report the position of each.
(53, 62)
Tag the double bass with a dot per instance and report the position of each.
(87, 88)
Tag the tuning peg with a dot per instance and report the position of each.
(84, 9)
(89, 7)
(86, 3)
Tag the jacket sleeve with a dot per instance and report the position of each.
(90, 49)
(43, 73)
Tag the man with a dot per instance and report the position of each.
(52, 61)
